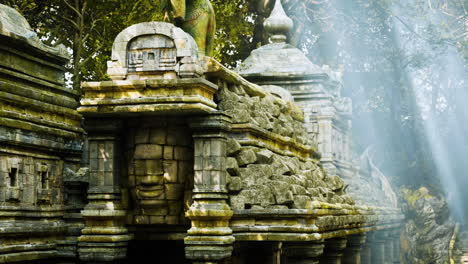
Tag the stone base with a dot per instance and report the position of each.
(102, 252)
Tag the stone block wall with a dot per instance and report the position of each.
(268, 175)
(40, 140)
(30, 181)
(159, 160)
(263, 110)
(261, 179)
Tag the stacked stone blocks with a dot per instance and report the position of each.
(161, 153)
(40, 138)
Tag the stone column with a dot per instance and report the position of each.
(325, 139)
(210, 239)
(367, 249)
(105, 237)
(352, 253)
(396, 246)
(378, 248)
(303, 252)
(389, 249)
(333, 251)
(258, 252)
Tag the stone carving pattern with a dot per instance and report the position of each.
(151, 53)
(154, 50)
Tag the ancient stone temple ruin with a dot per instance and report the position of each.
(180, 159)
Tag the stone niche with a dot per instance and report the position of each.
(29, 181)
(154, 50)
(160, 171)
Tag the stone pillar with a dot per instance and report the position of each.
(303, 252)
(366, 251)
(333, 251)
(389, 249)
(396, 246)
(210, 239)
(258, 252)
(105, 237)
(325, 139)
(352, 253)
(378, 248)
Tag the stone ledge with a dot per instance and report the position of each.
(295, 234)
(39, 105)
(37, 59)
(26, 247)
(42, 122)
(215, 69)
(25, 125)
(32, 140)
(51, 86)
(149, 100)
(254, 135)
(30, 229)
(153, 109)
(39, 92)
(16, 60)
(103, 213)
(105, 238)
(152, 96)
(126, 85)
(311, 224)
(27, 256)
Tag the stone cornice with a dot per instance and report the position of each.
(249, 134)
(154, 96)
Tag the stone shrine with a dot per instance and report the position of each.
(182, 158)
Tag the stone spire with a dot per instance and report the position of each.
(278, 59)
(278, 24)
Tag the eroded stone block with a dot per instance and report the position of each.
(246, 156)
(148, 151)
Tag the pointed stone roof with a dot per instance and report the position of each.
(15, 26)
(278, 59)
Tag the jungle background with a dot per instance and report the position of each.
(403, 64)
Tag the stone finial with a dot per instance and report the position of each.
(278, 24)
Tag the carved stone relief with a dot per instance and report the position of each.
(151, 53)
(154, 50)
(160, 162)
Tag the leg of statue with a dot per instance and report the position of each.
(197, 28)
(209, 50)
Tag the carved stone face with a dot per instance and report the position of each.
(159, 165)
(150, 191)
(149, 188)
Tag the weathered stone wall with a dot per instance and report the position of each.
(269, 176)
(40, 140)
(266, 111)
(30, 181)
(262, 179)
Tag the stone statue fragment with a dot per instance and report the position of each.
(195, 17)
